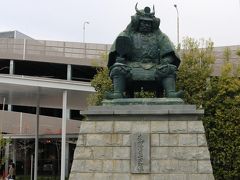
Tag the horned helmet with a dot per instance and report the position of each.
(145, 15)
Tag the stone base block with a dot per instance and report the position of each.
(177, 145)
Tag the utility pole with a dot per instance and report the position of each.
(84, 27)
(178, 43)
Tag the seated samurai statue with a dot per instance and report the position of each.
(142, 57)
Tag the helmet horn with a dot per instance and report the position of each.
(153, 13)
(137, 8)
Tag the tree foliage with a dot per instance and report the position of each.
(3, 143)
(222, 121)
(238, 52)
(196, 67)
(102, 84)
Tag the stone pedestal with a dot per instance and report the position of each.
(142, 142)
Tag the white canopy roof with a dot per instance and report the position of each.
(23, 90)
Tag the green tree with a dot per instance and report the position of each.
(101, 81)
(102, 84)
(222, 121)
(197, 59)
(238, 52)
(3, 143)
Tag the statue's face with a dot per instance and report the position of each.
(145, 26)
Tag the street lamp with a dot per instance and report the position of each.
(84, 24)
(178, 44)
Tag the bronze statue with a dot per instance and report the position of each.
(143, 57)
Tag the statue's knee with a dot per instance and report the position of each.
(119, 70)
(165, 71)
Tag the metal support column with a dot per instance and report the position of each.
(7, 158)
(69, 72)
(67, 160)
(64, 125)
(11, 72)
(69, 77)
(11, 67)
(31, 176)
(14, 149)
(36, 137)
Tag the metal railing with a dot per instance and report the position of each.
(86, 54)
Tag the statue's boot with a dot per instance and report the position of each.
(119, 84)
(169, 86)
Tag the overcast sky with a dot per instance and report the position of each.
(62, 20)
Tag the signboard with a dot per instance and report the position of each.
(140, 153)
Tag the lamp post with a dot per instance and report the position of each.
(84, 27)
(178, 44)
(84, 24)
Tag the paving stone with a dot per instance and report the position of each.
(169, 139)
(178, 177)
(93, 166)
(141, 126)
(98, 140)
(202, 140)
(121, 166)
(117, 139)
(140, 177)
(83, 153)
(160, 153)
(189, 153)
(82, 176)
(87, 127)
(122, 127)
(200, 177)
(126, 140)
(159, 126)
(188, 140)
(108, 166)
(121, 152)
(160, 177)
(188, 166)
(102, 153)
(165, 166)
(102, 176)
(204, 167)
(104, 127)
(155, 140)
(78, 166)
(121, 176)
(195, 127)
(116, 166)
(81, 140)
(178, 126)
(170, 177)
